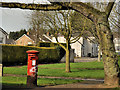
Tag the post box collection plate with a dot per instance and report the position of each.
(33, 62)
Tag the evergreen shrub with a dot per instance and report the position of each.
(49, 44)
(14, 54)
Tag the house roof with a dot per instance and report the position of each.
(26, 36)
(43, 37)
(46, 38)
(3, 31)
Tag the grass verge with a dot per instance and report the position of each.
(82, 69)
(21, 81)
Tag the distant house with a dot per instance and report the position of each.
(89, 49)
(43, 38)
(82, 48)
(24, 40)
(10, 41)
(117, 44)
(3, 36)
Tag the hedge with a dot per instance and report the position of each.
(48, 44)
(14, 54)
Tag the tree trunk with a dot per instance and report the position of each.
(99, 54)
(110, 59)
(111, 68)
(67, 68)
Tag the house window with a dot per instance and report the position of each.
(20, 42)
(29, 43)
(118, 48)
(1, 40)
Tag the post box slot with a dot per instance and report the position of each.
(32, 58)
(31, 55)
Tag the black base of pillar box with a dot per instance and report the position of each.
(32, 81)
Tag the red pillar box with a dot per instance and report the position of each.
(32, 67)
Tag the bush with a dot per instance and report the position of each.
(44, 44)
(49, 44)
(13, 54)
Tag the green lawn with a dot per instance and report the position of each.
(59, 70)
(10, 80)
(82, 70)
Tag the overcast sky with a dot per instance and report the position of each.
(14, 19)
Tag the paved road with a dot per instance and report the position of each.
(85, 59)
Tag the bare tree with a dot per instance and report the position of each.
(59, 23)
(37, 29)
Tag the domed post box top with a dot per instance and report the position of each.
(32, 52)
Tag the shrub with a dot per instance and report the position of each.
(44, 44)
(49, 44)
(14, 54)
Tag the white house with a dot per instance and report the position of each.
(3, 36)
(78, 47)
(83, 47)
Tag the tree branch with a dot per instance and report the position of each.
(85, 10)
(109, 8)
(75, 40)
(60, 44)
(47, 7)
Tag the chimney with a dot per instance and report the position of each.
(47, 33)
(28, 33)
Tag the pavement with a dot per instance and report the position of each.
(79, 85)
(85, 59)
(85, 85)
